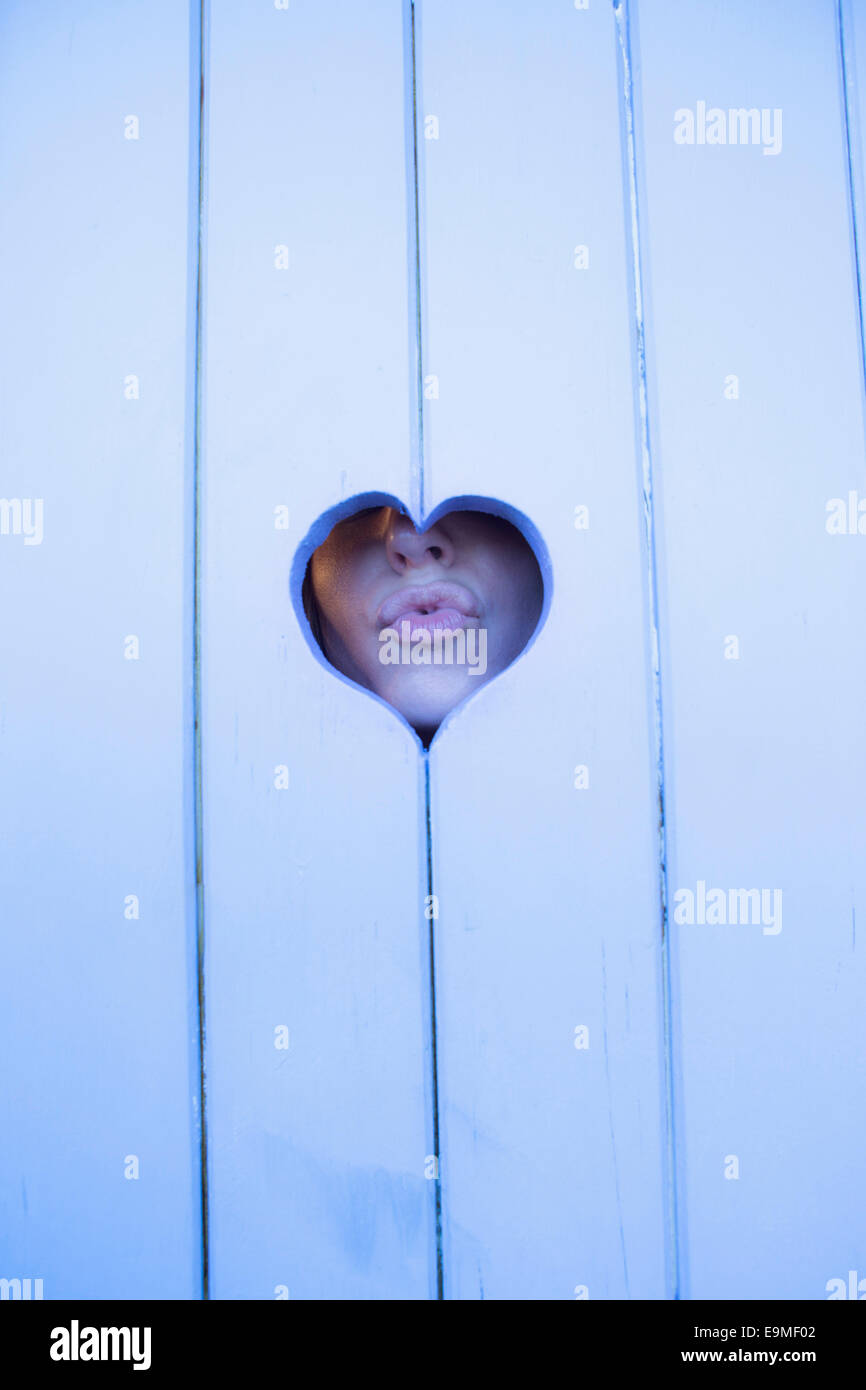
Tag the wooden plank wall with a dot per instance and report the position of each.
(445, 251)
(756, 391)
(313, 890)
(99, 1168)
(552, 1153)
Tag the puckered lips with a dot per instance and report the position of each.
(429, 606)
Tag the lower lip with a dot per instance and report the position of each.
(448, 619)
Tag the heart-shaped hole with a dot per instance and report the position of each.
(421, 616)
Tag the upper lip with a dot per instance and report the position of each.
(427, 596)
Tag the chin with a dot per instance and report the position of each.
(425, 703)
(424, 720)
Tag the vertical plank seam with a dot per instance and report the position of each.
(621, 13)
(201, 5)
(418, 503)
(440, 1270)
(852, 182)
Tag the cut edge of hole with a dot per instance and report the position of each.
(325, 523)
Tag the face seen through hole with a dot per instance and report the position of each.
(375, 573)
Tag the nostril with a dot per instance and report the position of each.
(436, 552)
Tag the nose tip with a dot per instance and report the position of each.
(407, 548)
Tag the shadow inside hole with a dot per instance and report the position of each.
(352, 558)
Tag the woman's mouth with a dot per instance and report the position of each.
(446, 619)
(429, 607)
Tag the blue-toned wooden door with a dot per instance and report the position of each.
(568, 1006)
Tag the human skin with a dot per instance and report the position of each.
(361, 572)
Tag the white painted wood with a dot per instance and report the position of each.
(555, 1176)
(99, 1163)
(750, 275)
(313, 893)
(552, 1164)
